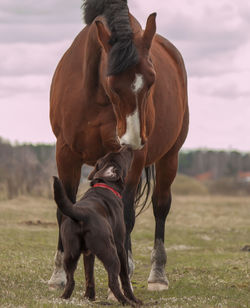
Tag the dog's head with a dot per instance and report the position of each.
(113, 167)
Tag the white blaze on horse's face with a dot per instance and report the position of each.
(132, 135)
(138, 83)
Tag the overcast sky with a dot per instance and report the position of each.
(213, 37)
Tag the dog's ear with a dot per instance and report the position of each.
(92, 173)
(109, 173)
(127, 157)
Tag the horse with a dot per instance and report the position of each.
(118, 84)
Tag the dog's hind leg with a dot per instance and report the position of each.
(106, 252)
(113, 269)
(89, 260)
(70, 264)
(126, 284)
(111, 263)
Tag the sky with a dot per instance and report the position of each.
(212, 36)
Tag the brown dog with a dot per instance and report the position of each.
(95, 226)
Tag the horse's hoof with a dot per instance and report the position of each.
(57, 280)
(56, 286)
(158, 286)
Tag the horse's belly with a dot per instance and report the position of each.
(163, 138)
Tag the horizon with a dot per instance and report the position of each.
(183, 149)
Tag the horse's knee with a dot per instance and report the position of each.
(161, 208)
(161, 205)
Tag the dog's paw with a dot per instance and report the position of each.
(90, 294)
(138, 302)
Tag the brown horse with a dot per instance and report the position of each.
(118, 84)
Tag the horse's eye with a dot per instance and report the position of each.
(151, 78)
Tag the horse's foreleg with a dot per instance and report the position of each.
(128, 198)
(129, 218)
(165, 173)
(69, 170)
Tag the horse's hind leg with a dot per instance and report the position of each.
(69, 170)
(165, 173)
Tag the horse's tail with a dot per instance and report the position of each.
(63, 202)
(145, 190)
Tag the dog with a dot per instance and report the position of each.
(95, 226)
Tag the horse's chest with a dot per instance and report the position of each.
(94, 138)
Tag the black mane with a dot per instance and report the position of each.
(123, 53)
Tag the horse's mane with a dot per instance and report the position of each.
(123, 53)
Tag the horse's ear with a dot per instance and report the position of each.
(150, 30)
(103, 35)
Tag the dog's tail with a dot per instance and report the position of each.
(63, 202)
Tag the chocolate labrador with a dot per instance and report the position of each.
(95, 226)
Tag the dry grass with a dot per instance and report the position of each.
(204, 237)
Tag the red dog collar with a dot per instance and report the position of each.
(102, 185)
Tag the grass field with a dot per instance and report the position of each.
(204, 238)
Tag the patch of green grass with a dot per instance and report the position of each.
(204, 237)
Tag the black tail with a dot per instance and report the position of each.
(64, 203)
(146, 189)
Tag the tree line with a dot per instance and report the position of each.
(28, 168)
(219, 163)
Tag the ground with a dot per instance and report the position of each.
(204, 239)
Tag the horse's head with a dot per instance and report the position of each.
(129, 89)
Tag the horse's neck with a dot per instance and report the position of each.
(91, 58)
(93, 68)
